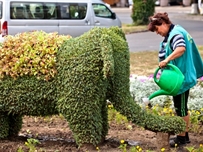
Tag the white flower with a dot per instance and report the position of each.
(142, 87)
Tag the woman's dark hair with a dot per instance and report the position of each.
(157, 20)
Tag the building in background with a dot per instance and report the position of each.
(117, 3)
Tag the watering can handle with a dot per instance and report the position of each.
(175, 68)
(170, 65)
(155, 74)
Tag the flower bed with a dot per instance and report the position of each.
(142, 86)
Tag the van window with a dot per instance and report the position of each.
(39, 10)
(101, 10)
(0, 10)
(73, 10)
(33, 10)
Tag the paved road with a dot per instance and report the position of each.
(147, 41)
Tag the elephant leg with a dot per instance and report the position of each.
(4, 125)
(85, 120)
(15, 124)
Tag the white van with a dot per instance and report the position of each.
(73, 17)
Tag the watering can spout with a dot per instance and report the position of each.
(158, 93)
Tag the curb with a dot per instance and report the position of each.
(189, 17)
(179, 12)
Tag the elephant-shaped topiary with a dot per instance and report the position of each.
(90, 69)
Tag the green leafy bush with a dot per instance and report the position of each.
(90, 70)
(30, 53)
(142, 10)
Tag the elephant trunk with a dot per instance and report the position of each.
(152, 122)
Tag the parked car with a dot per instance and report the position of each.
(72, 17)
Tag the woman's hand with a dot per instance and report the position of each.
(163, 63)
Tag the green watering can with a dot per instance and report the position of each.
(170, 81)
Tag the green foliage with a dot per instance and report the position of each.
(31, 145)
(30, 53)
(78, 91)
(142, 10)
(20, 149)
(28, 96)
(4, 125)
(84, 77)
(116, 117)
(193, 149)
(123, 147)
(90, 69)
(196, 121)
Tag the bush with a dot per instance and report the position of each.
(142, 10)
(89, 70)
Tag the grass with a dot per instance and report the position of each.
(130, 28)
(141, 63)
(145, 62)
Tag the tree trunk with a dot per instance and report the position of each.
(194, 7)
(186, 2)
(163, 3)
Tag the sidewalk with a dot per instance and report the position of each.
(174, 11)
(180, 12)
(178, 9)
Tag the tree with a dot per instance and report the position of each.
(142, 10)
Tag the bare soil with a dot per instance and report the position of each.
(55, 136)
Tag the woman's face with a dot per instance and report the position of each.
(162, 29)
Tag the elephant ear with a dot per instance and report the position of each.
(107, 55)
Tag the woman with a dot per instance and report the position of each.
(178, 48)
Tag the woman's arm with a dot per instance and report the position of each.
(179, 51)
(178, 46)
